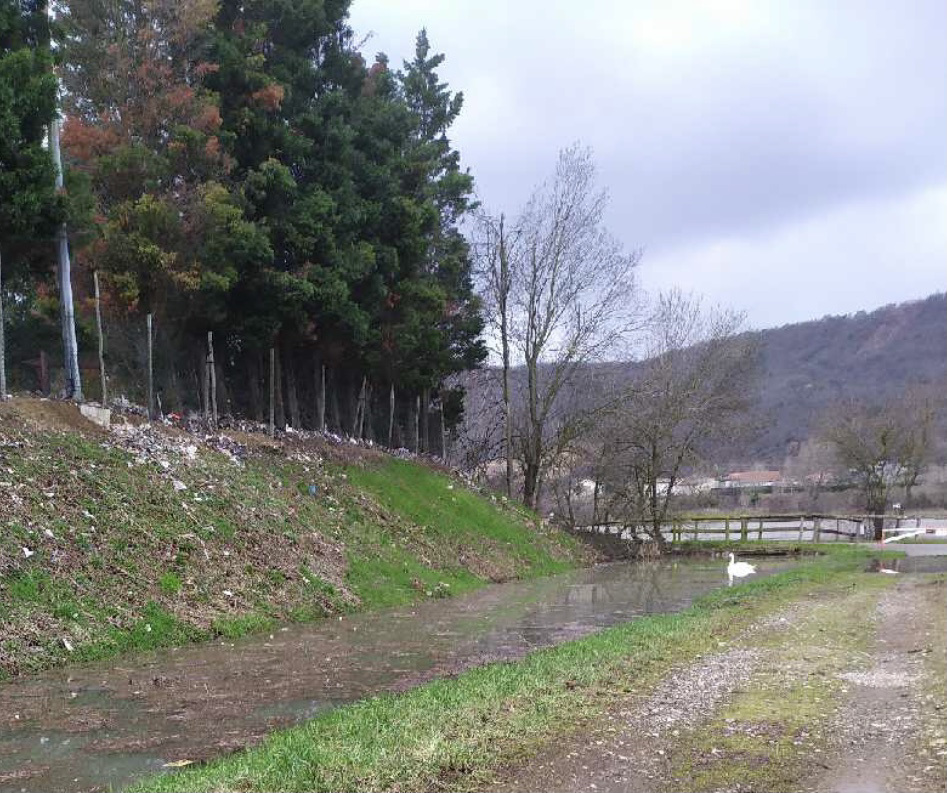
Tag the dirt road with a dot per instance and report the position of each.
(826, 696)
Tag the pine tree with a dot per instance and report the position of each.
(30, 210)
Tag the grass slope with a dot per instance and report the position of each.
(455, 733)
(149, 537)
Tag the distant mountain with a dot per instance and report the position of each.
(869, 355)
(806, 367)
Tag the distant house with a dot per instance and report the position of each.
(752, 479)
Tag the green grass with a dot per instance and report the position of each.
(453, 733)
(452, 515)
(376, 533)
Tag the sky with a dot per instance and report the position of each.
(787, 159)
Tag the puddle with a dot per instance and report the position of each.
(103, 725)
(911, 564)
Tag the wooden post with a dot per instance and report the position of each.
(802, 526)
(817, 530)
(213, 378)
(760, 536)
(205, 390)
(726, 529)
(272, 428)
(695, 530)
(321, 412)
(151, 374)
(391, 414)
(744, 526)
(98, 327)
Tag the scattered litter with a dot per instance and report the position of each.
(178, 763)
(27, 552)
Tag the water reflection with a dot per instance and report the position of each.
(108, 723)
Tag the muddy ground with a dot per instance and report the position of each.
(844, 696)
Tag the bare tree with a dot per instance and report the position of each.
(692, 388)
(814, 465)
(884, 445)
(492, 247)
(569, 299)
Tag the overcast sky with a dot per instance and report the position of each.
(784, 158)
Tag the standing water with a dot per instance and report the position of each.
(108, 723)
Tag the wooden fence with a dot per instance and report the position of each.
(800, 527)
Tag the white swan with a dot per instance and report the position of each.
(739, 569)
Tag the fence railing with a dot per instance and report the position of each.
(798, 526)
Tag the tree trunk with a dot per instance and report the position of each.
(391, 414)
(443, 433)
(505, 344)
(256, 398)
(321, 399)
(98, 327)
(417, 425)
(367, 428)
(278, 381)
(530, 483)
(222, 391)
(3, 348)
(334, 401)
(272, 384)
(357, 424)
(425, 434)
(292, 398)
(64, 276)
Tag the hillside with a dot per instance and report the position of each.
(868, 355)
(805, 367)
(145, 535)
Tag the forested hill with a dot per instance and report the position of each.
(805, 368)
(869, 355)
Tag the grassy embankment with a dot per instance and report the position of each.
(455, 733)
(151, 538)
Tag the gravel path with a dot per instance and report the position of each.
(892, 733)
(888, 736)
(629, 751)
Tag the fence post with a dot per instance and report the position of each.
(726, 529)
(817, 530)
(151, 376)
(272, 427)
(760, 536)
(98, 326)
(213, 378)
(802, 526)
(695, 530)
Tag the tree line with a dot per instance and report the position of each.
(239, 169)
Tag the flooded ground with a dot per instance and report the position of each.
(105, 724)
